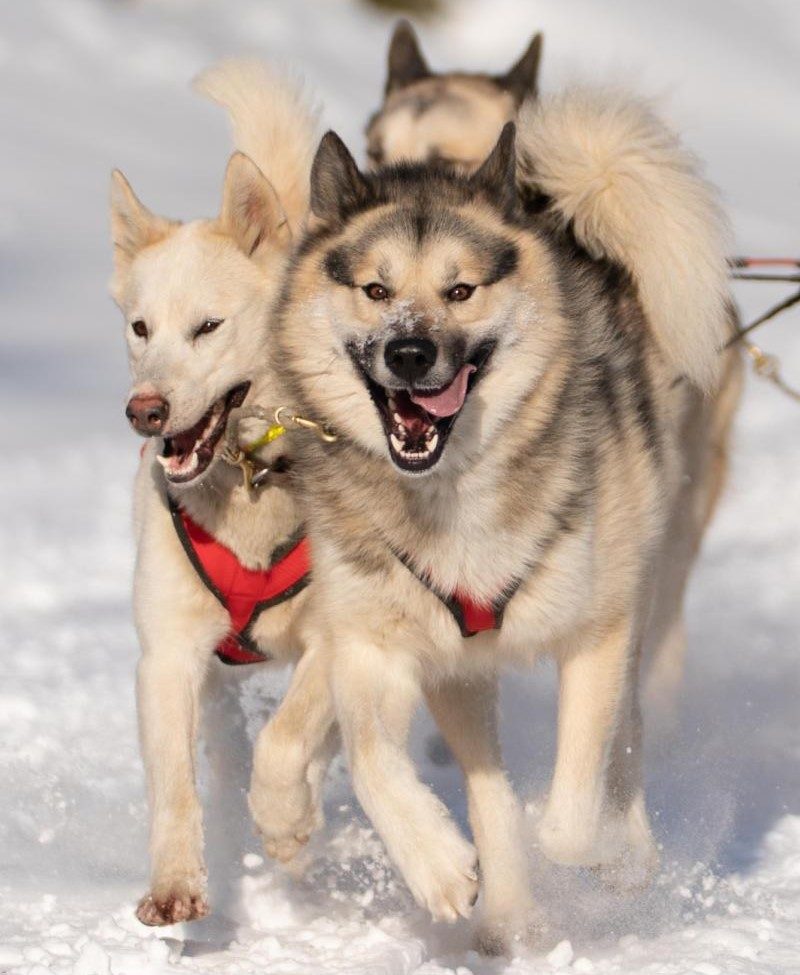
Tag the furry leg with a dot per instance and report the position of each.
(227, 750)
(596, 684)
(466, 712)
(376, 692)
(291, 757)
(168, 696)
(626, 825)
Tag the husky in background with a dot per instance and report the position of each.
(524, 394)
(196, 298)
(454, 116)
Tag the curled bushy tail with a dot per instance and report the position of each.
(274, 123)
(634, 194)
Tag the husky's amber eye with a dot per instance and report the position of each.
(376, 292)
(139, 328)
(208, 326)
(460, 292)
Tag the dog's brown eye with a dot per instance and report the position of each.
(460, 292)
(208, 326)
(376, 292)
(139, 328)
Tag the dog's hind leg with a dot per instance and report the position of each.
(291, 758)
(376, 690)
(466, 712)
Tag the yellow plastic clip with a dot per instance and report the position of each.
(272, 433)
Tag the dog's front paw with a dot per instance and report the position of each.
(617, 845)
(506, 935)
(633, 871)
(171, 903)
(442, 875)
(569, 836)
(285, 818)
(633, 858)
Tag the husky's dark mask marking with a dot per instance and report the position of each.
(418, 343)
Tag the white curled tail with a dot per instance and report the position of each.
(632, 193)
(274, 123)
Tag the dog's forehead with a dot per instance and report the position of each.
(191, 271)
(429, 241)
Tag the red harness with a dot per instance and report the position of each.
(245, 593)
(472, 617)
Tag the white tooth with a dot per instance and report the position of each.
(164, 461)
(396, 443)
(397, 418)
(431, 445)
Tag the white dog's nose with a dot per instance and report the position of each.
(147, 414)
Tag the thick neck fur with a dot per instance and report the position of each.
(473, 528)
(484, 523)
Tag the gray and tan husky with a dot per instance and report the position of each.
(457, 117)
(520, 365)
(452, 116)
(196, 298)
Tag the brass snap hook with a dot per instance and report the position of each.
(283, 416)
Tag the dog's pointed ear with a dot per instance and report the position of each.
(522, 79)
(406, 61)
(337, 184)
(251, 212)
(497, 176)
(133, 226)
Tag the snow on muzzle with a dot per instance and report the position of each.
(418, 421)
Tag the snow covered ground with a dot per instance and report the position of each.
(85, 85)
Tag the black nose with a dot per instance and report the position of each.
(147, 414)
(410, 359)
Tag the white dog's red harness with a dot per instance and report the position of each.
(245, 593)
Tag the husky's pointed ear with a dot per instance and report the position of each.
(521, 80)
(337, 184)
(251, 211)
(406, 61)
(133, 226)
(497, 176)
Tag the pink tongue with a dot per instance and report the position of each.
(450, 399)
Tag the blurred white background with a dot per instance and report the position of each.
(86, 85)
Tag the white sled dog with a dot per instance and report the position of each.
(217, 569)
(521, 366)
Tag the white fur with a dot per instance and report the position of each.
(634, 194)
(273, 122)
(172, 278)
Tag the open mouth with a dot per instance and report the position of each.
(188, 454)
(418, 422)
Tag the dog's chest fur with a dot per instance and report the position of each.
(251, 527)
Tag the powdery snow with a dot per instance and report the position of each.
(86, 85)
